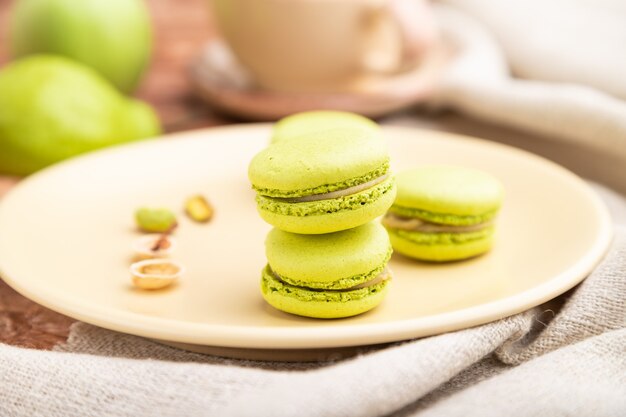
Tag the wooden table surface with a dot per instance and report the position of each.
(181, 27)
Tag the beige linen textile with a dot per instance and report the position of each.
(569, 53)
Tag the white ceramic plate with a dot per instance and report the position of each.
(66, 235)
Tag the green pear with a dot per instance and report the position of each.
(112, 36)
(52, 108)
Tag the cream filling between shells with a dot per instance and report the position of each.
(413, 224)
(336, 194)
(383, 276)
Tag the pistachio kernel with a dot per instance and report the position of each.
(198, 209)
(157, 220)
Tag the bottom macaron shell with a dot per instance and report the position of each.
(320, 304)
(331, 222)
(440, 252)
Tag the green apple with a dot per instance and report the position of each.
(112, 36)
(52, 108)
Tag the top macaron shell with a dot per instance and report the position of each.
(325, 162)
(455, 191)
(329, 261)
(297, 125)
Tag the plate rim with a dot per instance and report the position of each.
(316, 337)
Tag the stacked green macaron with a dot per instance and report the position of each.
(443, 213)
(301, 124)
(333, 180)
(327, 276)
(321, 188)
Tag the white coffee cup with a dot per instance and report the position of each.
(322, 45)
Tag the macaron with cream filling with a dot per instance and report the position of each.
(334, 180)
(444, 213)
(301, 124)
(333, 275)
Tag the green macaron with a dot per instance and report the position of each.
(443, 213)
(334, 180)
(333, 275)
(301, 124)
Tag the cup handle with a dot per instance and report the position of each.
(414, 25)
